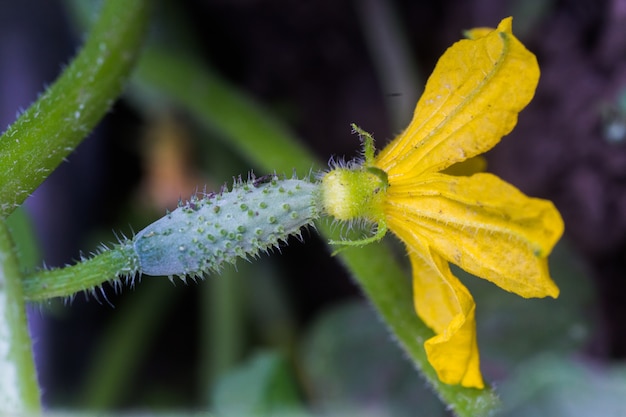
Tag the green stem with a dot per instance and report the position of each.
(19, 392)
(54, 125)
(119, 261)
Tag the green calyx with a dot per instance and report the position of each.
(215, 229)
(349, 194)
(357, 191)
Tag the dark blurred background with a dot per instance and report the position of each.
(318, 66)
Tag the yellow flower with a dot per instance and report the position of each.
(480, 223)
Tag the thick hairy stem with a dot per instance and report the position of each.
(52, 127)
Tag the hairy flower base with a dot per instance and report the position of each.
(480, 223)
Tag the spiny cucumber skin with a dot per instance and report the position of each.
(209, 231)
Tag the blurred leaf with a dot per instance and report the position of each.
(352, 367)
(263, 386)
(552, 386)
(528, 14)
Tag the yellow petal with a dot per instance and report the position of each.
(470, 101)
(482, 224)
(448, 308)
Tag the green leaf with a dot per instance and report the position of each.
(264, 386)
(560, 387)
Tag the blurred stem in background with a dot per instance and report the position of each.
(223, 325)
(398, 74)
